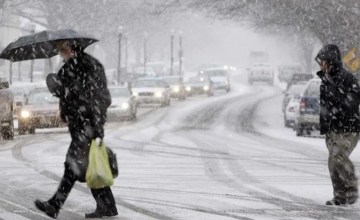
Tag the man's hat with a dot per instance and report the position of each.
(329, 53)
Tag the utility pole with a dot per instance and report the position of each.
(126, 56)
(32, 31)
(19, 71)
(120, 28)
(172, 51)
(10, 73)
(180, 53)
(145, 50)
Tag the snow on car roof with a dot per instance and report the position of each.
(171, 77)
(150, 78)
(118, 87)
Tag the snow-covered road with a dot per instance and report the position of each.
(224, 157)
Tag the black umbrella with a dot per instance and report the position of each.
(42, 45)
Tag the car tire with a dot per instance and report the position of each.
(287, 123)
(22, 131)
(32, 130)
(228, 90)
(299, 131)
(168, 102)
(7, 133)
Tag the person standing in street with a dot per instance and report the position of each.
(84, 99)
(339, 122)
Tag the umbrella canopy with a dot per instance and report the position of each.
(42, 45)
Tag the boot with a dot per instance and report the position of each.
(46, 207)
(98, 213)
(335, 201)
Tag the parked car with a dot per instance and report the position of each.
(151, 91)
(293, 90)
(4, 84)
(286, 72)
(219, 77)
(308, 114)
(123, 104)
(41, 110)
(299, 78)
(290, 111)
(199, 85)
(177, 86)
(6, 114)
(260, 72)
(19, 99)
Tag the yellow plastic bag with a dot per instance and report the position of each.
(98, 174)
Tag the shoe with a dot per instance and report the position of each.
(351, 200)
(50, 210)
(99, 213)
(335, 201)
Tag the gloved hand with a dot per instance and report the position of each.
(98, 132)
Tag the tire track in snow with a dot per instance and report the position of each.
(246, 119)
(17, 153)
(246, 126)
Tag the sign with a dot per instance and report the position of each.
(352, 60)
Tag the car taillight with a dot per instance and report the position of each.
(291, 109)
(302, 105)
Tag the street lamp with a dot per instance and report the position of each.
(172, 51)
(32, 31)
(146, 35)
(180, 52)
(10, 73)
(126, 56)
(120, 28)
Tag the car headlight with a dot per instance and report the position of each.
(206, 88)
(125, 105)
(176, 89)
(188, 88)
(158, 94)
(25, 114)
(135, 94)
(226, 82)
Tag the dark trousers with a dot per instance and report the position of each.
(104, 198)
(341, 168)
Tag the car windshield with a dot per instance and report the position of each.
(214, 73)
(41, 98)
(148, 83)
(198, 80)
(314, 89)
(296, 89)
(18, 92)
(172, 81)
(119, 93)
(260, 65)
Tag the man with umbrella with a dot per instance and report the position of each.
(81, 86)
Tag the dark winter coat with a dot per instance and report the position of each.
(339, 95)
(83, 105)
